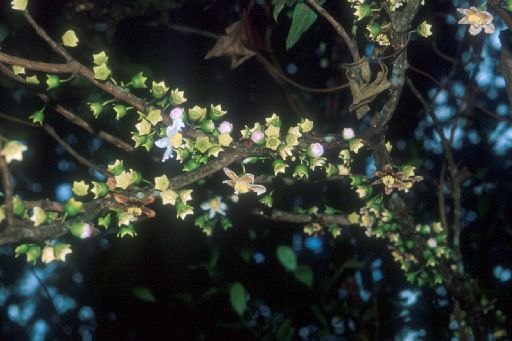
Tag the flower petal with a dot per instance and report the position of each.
(167, 154)
(248, 178)
(162, 143)
(230, 174)
(259, 189)
(205, 206)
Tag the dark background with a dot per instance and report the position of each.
(356, 280)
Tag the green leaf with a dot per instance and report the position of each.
(238, 298)
(278, 7)
(351, 264)
(302, 19)
(304, 274)
(286, 257)
(104, 221)
(144, 294)
(285, 331)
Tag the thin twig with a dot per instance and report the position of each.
(338, 28)
(52, 304)
(49, 129)
(42, 33)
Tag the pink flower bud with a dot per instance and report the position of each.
(257, 136)
(317, 150)
(87, 231)
(177, 113)
(225, 127)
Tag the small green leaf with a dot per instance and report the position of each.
(286, 257)
(278, 7)
(104, 221)
(144, 294)
(285, 331)
(238, 298)
(38, 117)
(304, 274)
(302, 19)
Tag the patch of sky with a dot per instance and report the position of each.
(63, 303)
(499, 82)
(473, 136)
(368, 50)
(409, 297)
(63, 192)
(265, 311)
(28, 285)
(450, 19)
(71, 139)
(36, 187)
(401, 144)
(458, 135)
(96, 144)
(66, 166)
(411, 335)
(39, 330)
(492, 93)
(259, 258)
(444, 112)
(471, 216)
(460, 32)
(371, 167)
(365, 295)
(501, 137)
(85, 332)
(4, 295)
(78, 278)
(291, 68)
(314, 244)
(441, 291)
(86, 313)
(441, 97)
(458, 88)
(502, 109)
(297, 242)
(359, 278)
(433, 144)
(324, 62)
(494, 40)
(376, 272)
(502, 274)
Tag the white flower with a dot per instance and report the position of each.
(173, 138)
(214, 206)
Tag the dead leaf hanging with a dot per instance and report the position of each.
(233, 44)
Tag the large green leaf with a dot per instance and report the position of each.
(286, 257)
(304, 274)
(238, 298)
(302, 19)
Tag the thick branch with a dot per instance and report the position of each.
(7, 186)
